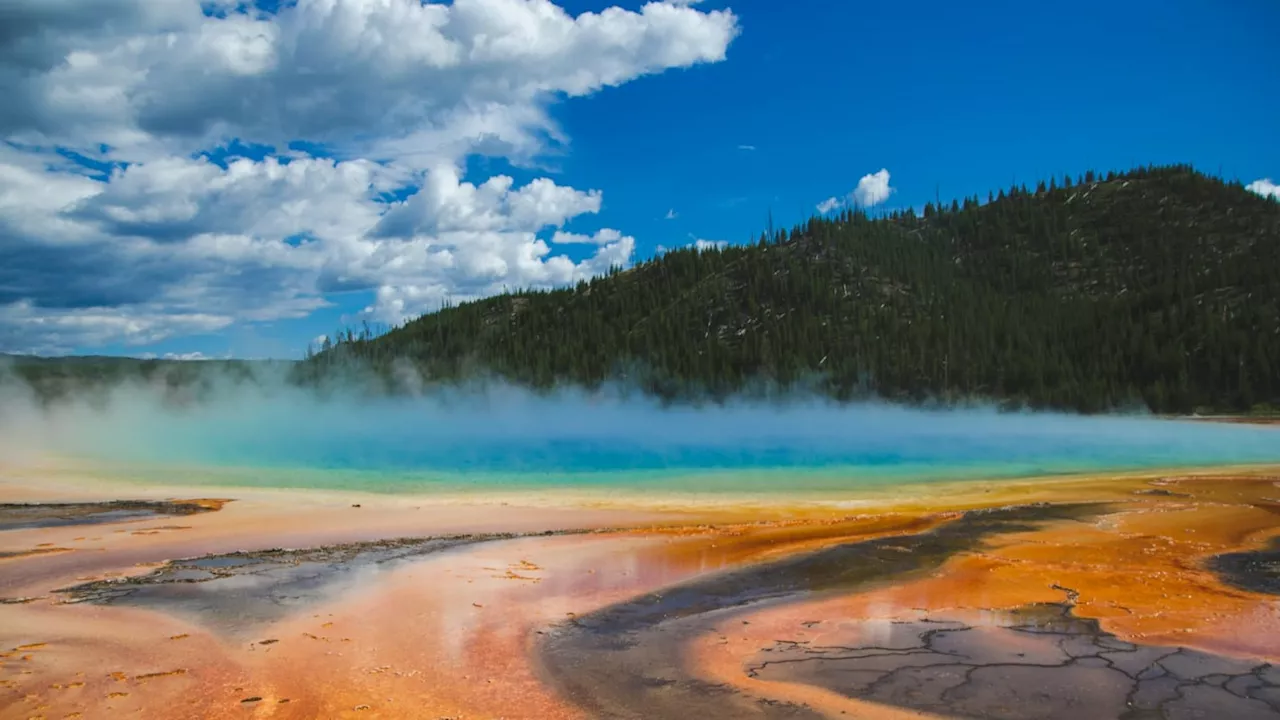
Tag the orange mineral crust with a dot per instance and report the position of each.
(1139, 571)
(211, 614)
(446, 636)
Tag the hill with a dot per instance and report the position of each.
(1159, 286)
(90, 377)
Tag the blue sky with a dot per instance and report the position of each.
(959, 97)
(717, 120)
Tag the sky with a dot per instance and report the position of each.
(234, 179)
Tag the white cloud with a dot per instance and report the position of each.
(57, 330)
(747, 148)
(603, 236)
(181, 197)
(400, 91)
(447, 204)
(1264, 187)
(184, 246)
(873, 189)
(182, 357)
(386, 79)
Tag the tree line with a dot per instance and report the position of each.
(1155, 287)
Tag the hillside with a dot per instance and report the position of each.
(90, 377)
(1158, 286)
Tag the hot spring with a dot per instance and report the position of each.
(508, 440)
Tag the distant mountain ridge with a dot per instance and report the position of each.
(1159, 286)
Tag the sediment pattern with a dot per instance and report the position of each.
(1038, 662)
(1256, 570)
(626, 661)
(25, 516)
(238, 592)
(947, 610)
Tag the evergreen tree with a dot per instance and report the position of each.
(1159, 285)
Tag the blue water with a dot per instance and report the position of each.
(516, 441)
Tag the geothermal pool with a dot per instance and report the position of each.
(566, 557)
(512, 441)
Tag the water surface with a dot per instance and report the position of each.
(519, 442)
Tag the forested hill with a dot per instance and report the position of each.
(1159, 286)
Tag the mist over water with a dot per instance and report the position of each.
(504, 438)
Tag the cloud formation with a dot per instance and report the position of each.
(872, 189)
(1264, 187)
(831, 203)
(392, 79)
(125, 219)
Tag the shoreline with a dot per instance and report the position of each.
(480, 605)
(1265, 420)
(60, 480)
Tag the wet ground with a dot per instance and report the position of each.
(625, 661)
(238, 593)
(1139, 601)
(25, 516)
(1255, 570)
(1037, 662)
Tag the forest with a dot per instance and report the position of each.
(1158, 287)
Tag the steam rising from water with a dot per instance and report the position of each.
(503, 437)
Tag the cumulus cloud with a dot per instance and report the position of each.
(150, 236)
(392, 78)
(872, 189)
(177, 198)
(185, 246)
(603, 236)
(56, 330)
(447, 204)
(1264, 187)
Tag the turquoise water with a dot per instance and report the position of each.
(518, 443)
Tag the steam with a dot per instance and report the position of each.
(493, 433)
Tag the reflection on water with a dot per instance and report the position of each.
(859, 609)
(238, 593)
(610, 661)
